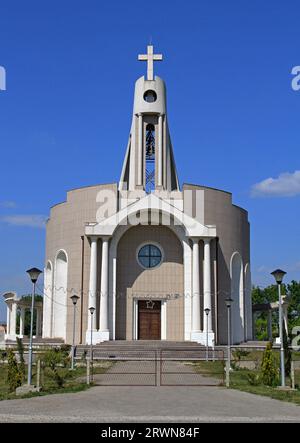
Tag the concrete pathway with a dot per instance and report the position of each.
(150, 404)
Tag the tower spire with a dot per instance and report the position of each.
(150, 57)
(149, 164)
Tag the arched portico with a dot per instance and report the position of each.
(155, 211)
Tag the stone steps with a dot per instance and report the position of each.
(146, 350)
(37, 343)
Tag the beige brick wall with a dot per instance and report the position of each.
(64, 231)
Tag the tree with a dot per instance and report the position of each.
(270, 295)
(287, 354)
(21, 358)
(294, 305)
(265, 295)
(56, 361)
(268, 367)
(14, 376)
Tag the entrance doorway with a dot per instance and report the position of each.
(149, 320)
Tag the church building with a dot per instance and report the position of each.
(149, 259)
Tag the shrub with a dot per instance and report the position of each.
(253, 379)
(287, 354)
(54, 359)
(20, 348)
(84, 357)
(14, 375)
(66, 349)
(268, 367)
(234, 365)
(238, 354)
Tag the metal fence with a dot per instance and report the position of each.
(162, 367)
(125, 368)
(192, 367)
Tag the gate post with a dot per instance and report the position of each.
(88, 372)
(227, 368)
(158, 367)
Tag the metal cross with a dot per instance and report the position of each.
(150, 58)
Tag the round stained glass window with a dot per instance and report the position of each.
(149, 256)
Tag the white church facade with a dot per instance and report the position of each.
(155, 260)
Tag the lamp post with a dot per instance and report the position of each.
(278, 275)
(228, 302)
(33, 275)
(74, 299)
(92, 310)
(207, 311)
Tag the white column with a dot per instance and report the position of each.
(140, 150)
(164, 320)
(196, 287)
(114, 294)
(22, 321)
(93, 282)
(160, 151)
(207, 286)
(104, 287)
(8, 312)
(13, 319)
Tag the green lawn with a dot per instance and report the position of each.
(75, 381)
(239, 379)
(257, 355)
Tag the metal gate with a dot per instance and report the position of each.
(161, 367)
(197, 367)
(125, 368)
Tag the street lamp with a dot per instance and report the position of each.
(278, 275)
(74, 299)
(207, 311)
(33, 275)
(92, 310)
(228, 302)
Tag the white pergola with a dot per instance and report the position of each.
(14, 304)
(269, 308)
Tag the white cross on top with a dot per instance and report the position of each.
(150, 58)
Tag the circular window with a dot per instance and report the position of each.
(150, 96)
(149, 256)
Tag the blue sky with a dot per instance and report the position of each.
(65, 115)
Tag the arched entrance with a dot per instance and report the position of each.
(150, 285)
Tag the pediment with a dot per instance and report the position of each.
(192, 227)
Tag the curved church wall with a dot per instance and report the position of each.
(66, 231)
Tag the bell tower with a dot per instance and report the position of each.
(149, 163)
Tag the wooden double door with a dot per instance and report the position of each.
(149, 320)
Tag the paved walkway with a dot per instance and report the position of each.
(150, 404)
(152, 373)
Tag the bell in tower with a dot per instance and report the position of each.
(149, 162)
